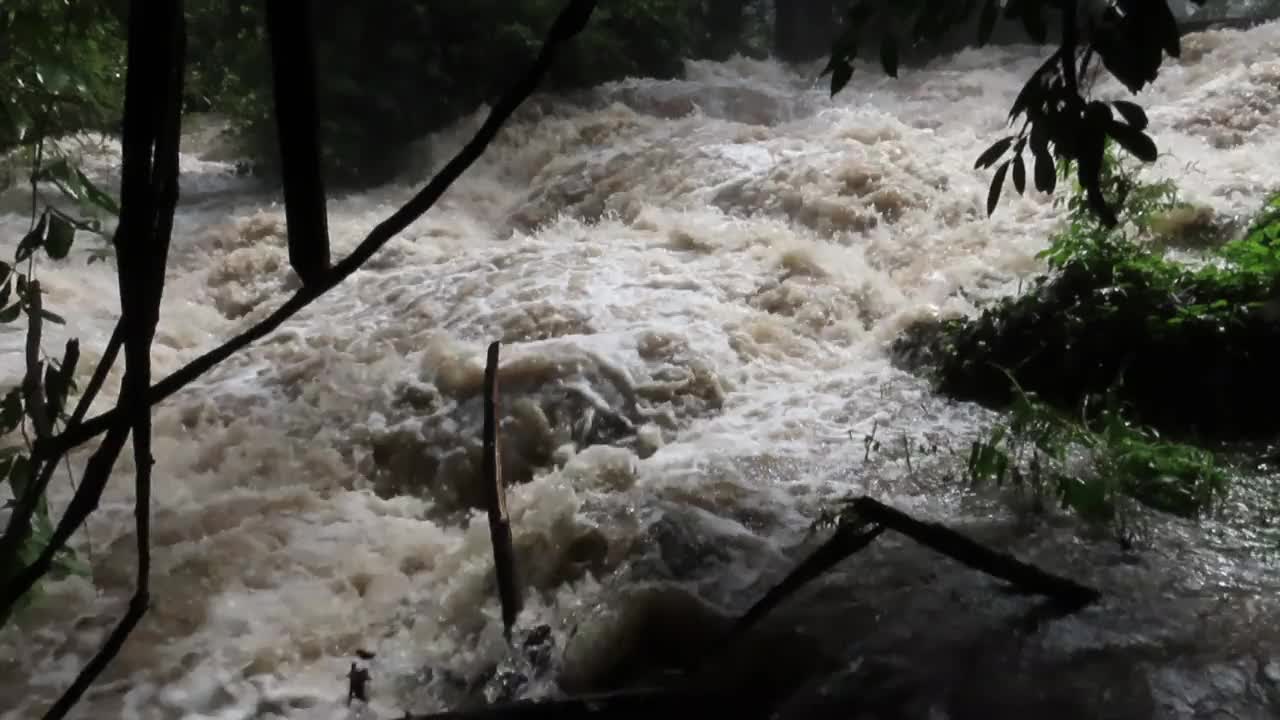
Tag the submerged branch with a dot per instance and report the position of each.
(1065, 595)
(504, 555)
(1024, 578)
(846, 541)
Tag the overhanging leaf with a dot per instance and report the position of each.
(997, 184)
(32, 240)
(1132, 113)
(993, 153)
(61, 235)
(1019, 174)
(1046, 173)
(1135, 141)
(10, 410)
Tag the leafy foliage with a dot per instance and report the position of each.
(61, 69)
(40, 401)
(1093, 466)
(1058, 120)
(63, 74)
(1111, 313)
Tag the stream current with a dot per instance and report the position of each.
(695, 282)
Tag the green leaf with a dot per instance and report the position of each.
(1132, 113)
(1019, 174)
(11, 410)
(32, 240)
(1133, 140)
(61, 235)
(993, 153)
(997, 184)
(5, 269)
(1046, 174)
(11, 313)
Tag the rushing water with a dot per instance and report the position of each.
(695, 282)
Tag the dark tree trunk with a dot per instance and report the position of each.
(803, 29)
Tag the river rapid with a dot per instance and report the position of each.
(695, 282)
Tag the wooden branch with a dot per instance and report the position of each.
(1024, 578)
(568, 24)
(298, 131)
(846, 541)
(504, 556)
(1066, 596)
(690, 700)
(33, 381)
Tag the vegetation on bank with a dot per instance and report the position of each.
(1190, 349)
(1119, 361)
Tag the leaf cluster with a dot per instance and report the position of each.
(1059, 122)
(1113, 314)
(61, 68)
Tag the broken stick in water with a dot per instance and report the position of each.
(1066, 596)
(504, 559)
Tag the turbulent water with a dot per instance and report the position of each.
(695, 282)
